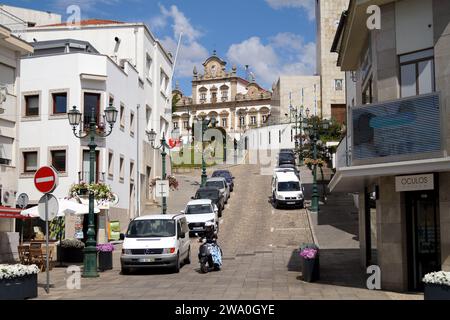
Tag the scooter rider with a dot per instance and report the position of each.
(210, 233)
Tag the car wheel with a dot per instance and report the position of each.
(176, 269)
(188, 258)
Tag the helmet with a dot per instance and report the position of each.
(209, 226)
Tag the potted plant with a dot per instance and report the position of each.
(309, 254)
(18, 282)
(105, 256)
(71, 250)
(437, 286)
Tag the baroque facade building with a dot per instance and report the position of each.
(236, 104)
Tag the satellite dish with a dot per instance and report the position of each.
(116, 200)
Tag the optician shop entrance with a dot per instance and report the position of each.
(422, 226)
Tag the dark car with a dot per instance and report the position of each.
(289, 151)
(286, 158)
(214, 195)
(227, 175)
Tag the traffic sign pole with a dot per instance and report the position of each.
(46, 242)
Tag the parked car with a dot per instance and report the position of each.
(287, 190)
(227, 175)
(214, 195)
(286, 158)
(288, 168)
(156, 241)
(289, 151)
(199, 212)
(221, 184)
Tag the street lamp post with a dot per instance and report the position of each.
(90, 251)
(313, 131)
(205, 122)
(297, 114)
(152, 138)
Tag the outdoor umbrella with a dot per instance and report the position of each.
(65, 206)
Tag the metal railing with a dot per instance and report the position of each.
(397, 130)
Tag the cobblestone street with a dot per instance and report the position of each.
(260, 257)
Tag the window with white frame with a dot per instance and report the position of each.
(225, 122)
(253, 120)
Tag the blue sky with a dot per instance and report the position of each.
(272, 36)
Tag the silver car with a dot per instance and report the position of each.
(221, 184)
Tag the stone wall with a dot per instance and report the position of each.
(9, 241)
(329, 15)
(391, 237)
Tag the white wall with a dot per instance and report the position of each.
(414, 25)
(63, 72)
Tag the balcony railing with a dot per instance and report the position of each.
(399, 130)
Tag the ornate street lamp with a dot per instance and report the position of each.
(152, 138)
(312, 130)
(205, 122)
(74, 117)
(297, 114)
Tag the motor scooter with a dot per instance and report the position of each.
(210, 256)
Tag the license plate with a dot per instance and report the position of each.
(147, 260)
(198, 228)
(290, 202)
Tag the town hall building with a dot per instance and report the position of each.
(236, 104)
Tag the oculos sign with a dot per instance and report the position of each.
(414, 183)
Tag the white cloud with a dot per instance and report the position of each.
(284, 54)
(191, 53)
(307, 5)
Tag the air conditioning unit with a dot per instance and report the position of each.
(8, 198)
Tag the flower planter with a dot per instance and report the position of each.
(436, 292)
(311, 269)
(70, 255)
(19, 288)
(105, 261)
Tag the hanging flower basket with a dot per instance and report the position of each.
(173, 183)
(311, 162)
(18, 282)
(102, 192)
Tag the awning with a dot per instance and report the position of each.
(11, 213)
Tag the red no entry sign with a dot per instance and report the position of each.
(46, 179)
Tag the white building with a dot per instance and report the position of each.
(16, 18)
(11, 48)
(102, 62)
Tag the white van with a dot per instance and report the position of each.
(156, 241)
(287, 190)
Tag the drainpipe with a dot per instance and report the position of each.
(138, 187)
